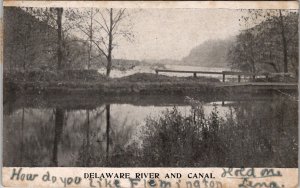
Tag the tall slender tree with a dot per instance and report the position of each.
(104, 29)
(53, 17)
(59, 37)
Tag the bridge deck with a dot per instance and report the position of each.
(223, 73)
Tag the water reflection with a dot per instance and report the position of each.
(120, 135)
(107, 107)
(58, 131)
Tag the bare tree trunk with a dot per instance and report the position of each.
(59, 38)
(253, 66)
(26, 45)
(284, 43)
(24, 58)
(272, 63)
(110, 35)
(91, 40)
(252, 59)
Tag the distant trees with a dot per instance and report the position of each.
(269, 43)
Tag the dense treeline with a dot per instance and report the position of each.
(60, 38)
(269, 46)
(31, 43)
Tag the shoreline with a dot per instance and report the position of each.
(92, 83)
(138, 90)
(143, 88)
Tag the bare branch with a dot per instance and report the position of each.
(118, 17)
(100, 49)
(104, 20)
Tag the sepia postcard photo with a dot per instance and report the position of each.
(101, 86)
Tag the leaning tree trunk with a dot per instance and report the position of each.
(59, 38)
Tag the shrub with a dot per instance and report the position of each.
(248, 136)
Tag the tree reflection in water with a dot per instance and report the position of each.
(107, 107)
(58, 130)
(253, 133)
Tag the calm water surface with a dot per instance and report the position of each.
(110, 133)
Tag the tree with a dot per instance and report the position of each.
(242, 55)
(53, 17)
(104, 27)
(273, 33)
(25, 40)
(59, 12)
(84, 20)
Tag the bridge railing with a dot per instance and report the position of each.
(223, 73)
(239, 74)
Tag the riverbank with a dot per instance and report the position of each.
(93, 82)
(90, 82)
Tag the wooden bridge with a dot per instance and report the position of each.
(223, 73)
(245, 86)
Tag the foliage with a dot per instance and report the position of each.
(245, 137)
(27, 41)
(268, 46)
(148, 77)
(53, 76)
(102, 29)
(27, 48)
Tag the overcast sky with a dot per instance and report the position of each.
(172, 33)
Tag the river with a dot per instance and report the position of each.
(64, 131)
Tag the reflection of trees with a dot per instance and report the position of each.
(89, 151)
(109, 146)
(30, 145)
(107, 107)
(254, 134)
(58, 130)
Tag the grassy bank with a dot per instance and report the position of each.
(85, 81)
